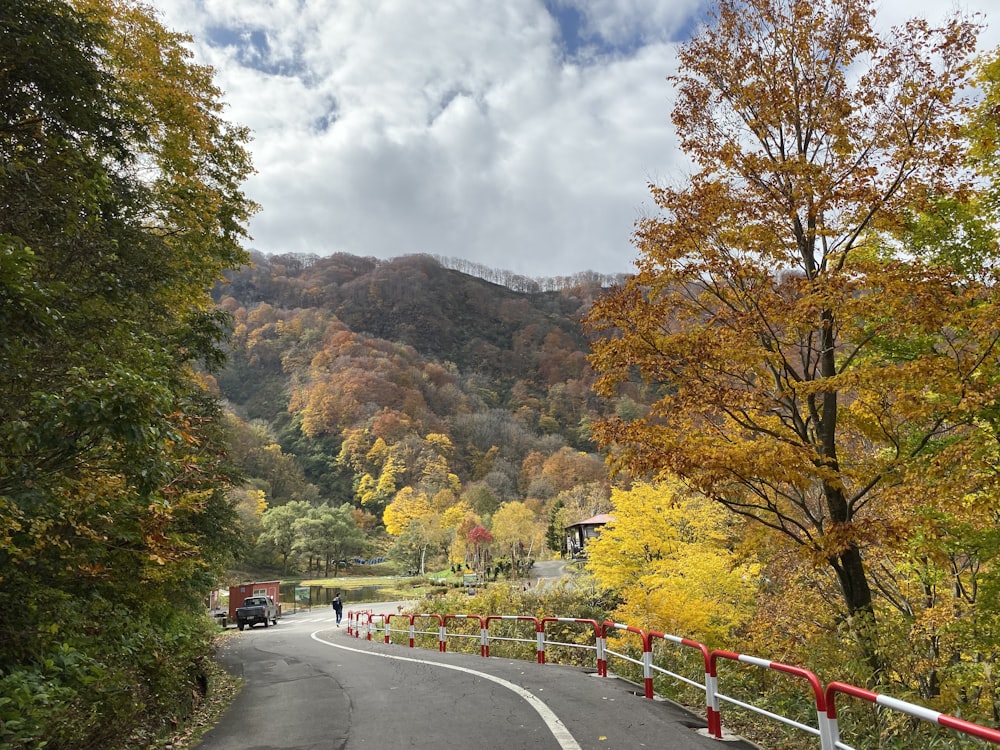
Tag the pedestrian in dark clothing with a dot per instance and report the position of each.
(338, 607)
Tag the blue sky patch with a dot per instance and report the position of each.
(571, 22)
(580, 40)
(253, 50)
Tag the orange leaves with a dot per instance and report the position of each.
(766, 104)
(813, 362)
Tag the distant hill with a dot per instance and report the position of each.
(343, 348)
(442, 313)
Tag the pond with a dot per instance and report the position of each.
(293, 596)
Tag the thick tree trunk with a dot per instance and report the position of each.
(850, 570)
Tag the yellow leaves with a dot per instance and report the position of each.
(512, 523)
(387, 479)
(441, 443)
(366, 490)
(194, 161)
(404, 508)
(250, 505)
(454, 515)
(378, 452)
(669, 556)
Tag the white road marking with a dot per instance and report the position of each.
(558, 729)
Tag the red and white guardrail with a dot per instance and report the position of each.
(365, 623)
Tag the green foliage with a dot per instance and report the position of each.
(45, 704)
(120, 187)
(298, 532)
(147, 670)
(555, 532)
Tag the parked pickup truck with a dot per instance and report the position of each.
(257, 609)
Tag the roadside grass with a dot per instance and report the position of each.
(223, 688)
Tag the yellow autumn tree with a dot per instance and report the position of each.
(408, 505)
(516, 530)
(452, 516)
(817, 362)
(669, 556)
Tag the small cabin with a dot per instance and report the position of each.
(579, 533)
(255, 588)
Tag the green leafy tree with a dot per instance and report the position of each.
(424, 541)
(121, 206)
(555, 532)
(279, 529)
(329, 535)
(985, 130)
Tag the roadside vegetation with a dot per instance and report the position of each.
(121, 204)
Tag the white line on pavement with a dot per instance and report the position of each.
(558, 729)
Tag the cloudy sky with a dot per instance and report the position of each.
(519, 134)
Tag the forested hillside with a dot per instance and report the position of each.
(401, 385)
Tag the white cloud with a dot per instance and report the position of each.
(455, 127)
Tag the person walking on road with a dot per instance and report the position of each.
(338, 607)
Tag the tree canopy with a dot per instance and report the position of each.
(120, 204)
(671, 559)
(823, 366)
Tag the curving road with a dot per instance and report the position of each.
(310, 686)
(546, 572)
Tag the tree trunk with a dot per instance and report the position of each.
(846, 562)
(850, 570)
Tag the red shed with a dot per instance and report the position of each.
(255, 588)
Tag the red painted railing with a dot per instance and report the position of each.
(715, 716)
(707, 685)
(539, 633)
(926, 714)
(826, 727)
(599, 641)
(484, 638)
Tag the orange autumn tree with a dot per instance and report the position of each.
(817, 374)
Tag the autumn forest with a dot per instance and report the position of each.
(790, 408)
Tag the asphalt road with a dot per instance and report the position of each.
(546, 572)
(311, 686)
